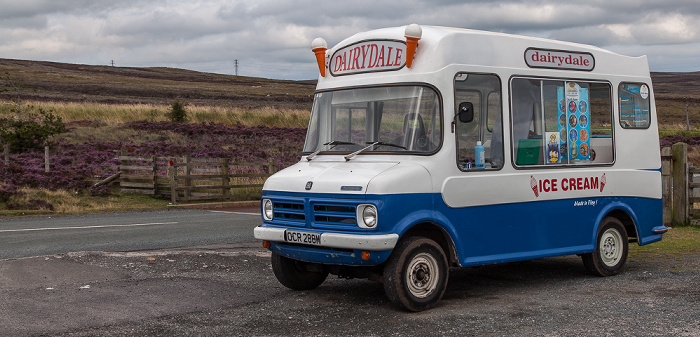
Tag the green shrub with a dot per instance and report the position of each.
(32, 133)
(177, 112)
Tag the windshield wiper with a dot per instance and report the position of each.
(348, 157)
(333, 144)
(390, 144)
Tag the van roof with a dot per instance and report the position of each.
(442, 46)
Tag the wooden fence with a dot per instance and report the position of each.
(681, 185)
(189, 179)
(47, 158)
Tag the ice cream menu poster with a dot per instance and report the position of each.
(574, 121)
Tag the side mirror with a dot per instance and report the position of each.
(466, 112)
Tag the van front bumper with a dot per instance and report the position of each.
(375, 242)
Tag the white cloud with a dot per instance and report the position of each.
(271, 38)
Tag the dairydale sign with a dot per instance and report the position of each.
(559, 59)
(368, 56)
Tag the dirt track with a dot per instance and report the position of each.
(230, 290)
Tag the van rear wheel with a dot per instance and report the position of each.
(611, 249)
(415, 276)
(297, 275)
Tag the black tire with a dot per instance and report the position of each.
(415, 276)
(611, 249)
(297, 275)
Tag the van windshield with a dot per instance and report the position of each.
(400, 119)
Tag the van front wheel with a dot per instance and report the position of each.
(610, 253)
(415, 276)
(297, 275)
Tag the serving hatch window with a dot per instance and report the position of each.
(634, 105)
(561, 122)
(403, 119)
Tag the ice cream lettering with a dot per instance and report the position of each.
(567, 184)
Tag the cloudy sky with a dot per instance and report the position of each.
(272, 38)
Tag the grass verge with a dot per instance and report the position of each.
(69, 202)
(679, 240)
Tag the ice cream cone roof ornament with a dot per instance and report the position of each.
(413, 33)
(319, 47)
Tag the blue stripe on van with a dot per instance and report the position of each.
(494, 233)
(521, 231)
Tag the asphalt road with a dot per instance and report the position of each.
(203, 275)
(37, 236)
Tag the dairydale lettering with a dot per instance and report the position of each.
(561, 60)
(368, 56)
(539, 58)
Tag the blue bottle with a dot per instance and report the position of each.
(479, 154)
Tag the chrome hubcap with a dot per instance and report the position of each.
(610, 247)
(422, 275)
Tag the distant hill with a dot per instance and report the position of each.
(52, 81)
(672, 92)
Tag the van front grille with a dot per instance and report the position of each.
(334, 214)
(290, 211)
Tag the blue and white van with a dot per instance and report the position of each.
(433, 147)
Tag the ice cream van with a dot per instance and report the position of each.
(430, 148)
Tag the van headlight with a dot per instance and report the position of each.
(367, 216)
(267, 209)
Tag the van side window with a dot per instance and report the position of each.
(634, 105)
(558, 122)
(481, 92)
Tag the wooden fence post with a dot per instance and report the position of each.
(47, 166)
(692, 195)
(666, 184)
(680, 184)
(122, 163)
(270, 166)
(225, 179)
(155, 175)
(188, 180)
(173, 182)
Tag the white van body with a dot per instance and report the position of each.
(570, 144)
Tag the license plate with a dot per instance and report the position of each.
(305, 238)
